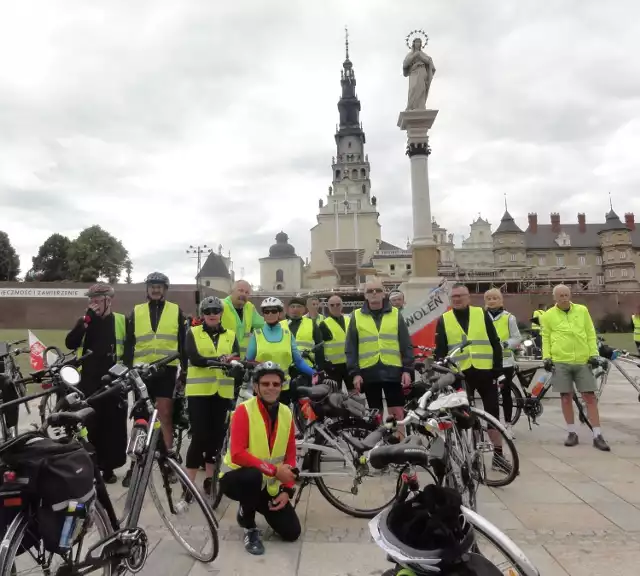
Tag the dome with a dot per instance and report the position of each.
(282, 248)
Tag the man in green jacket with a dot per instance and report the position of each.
(569, 349)
(240, 315)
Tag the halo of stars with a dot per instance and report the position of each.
(412, 36)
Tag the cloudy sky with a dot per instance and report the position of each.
(172, 123)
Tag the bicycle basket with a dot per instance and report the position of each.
(54, 475)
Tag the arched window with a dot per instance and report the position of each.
(337, 174)
(278, 286)
(363, 173)
(279, 276)
(354, 175)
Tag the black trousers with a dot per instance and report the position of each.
(244, 485)
(507, 398)
(340, 374)
(482, 381)
(207, 417)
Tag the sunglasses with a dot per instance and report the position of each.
(270, 384)
(212, 311)
(375, 291)
(271, 311)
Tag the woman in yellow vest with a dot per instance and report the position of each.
(258, 465)
(209, 391)
(636, 328)
(102, 331)
(506, 326)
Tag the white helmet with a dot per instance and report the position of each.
(272, 302)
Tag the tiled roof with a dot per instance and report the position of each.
(214, 267)
(507, 224)
(386, 246)
(545, 236)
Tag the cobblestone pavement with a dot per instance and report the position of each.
(574, 511)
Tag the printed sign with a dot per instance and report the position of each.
(43, 292)
(421, 320)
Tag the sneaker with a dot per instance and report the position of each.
(572, 439)
(109, 477)
(126, 481)
(510, 432)
(206, 486)
(601, 444)
(252, 542)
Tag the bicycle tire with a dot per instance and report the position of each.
(518, 403)
(15, 533)
(183, 480)
(334, 428)
(496, 425)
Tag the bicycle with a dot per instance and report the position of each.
(123, 544)
(410, 456)
(13, 371)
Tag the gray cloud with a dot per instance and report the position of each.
(176, 123)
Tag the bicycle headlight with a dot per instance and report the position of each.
(69, 375)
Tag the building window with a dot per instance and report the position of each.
(408, 266)
(278, 286)
(582, 260)
(337, 174)
(623, 272)
(623, 255)
(513, 257)
(501, 258)
(612, 273)
(529, 260)
(610, 256)
(207, 282)
(279, 276)
(542, 260)
(600, 279)
(599, 260)
(560, 260)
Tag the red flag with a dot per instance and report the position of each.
(422, 320)
(36, 353)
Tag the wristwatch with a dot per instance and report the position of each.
(289, 491)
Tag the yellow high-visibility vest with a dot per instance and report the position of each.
(502, 328)
(259, 441)
(479, 354)
(334, 350)
(278, 352)
(242, 328)
(120, 329)
(210, 381)
(150, 345)
(537, 314)
(636, 327)
(378, 345)
(304, 337)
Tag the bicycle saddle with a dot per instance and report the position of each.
(315, 393)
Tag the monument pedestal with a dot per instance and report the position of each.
(424, 275)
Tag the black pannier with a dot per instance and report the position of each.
(54, 476)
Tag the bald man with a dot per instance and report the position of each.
(379, 351)
(334, 333)
(240, 315)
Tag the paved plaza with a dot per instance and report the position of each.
(575, 511)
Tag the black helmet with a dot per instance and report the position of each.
(267, 367)
(157, 278)
(211, 303)
(429, 529)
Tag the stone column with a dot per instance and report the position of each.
(416, 123)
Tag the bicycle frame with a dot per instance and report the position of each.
(618, 365)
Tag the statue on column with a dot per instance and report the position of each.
(419, 68)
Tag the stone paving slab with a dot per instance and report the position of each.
(574, 511)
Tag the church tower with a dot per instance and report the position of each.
(348, 231)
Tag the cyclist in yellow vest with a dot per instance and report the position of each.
(481, 361)
(258, 465)
(535, 325)
(103, 332)
(209, 391)
(240, 314)
(379, 351)
(313, 309)
(274, 342)
(569, 350)
(156, 329)
(306, 332)
(334, 333)
(507, 329)
(636, 328)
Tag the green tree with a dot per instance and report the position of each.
(96, 254)
(51, 264)
(128, 267)
(9, 260)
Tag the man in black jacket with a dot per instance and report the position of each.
(379, 351)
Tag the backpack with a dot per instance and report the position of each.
(52, 475)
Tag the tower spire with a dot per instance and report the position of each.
(346, 42)
(610, 201)
(505, 202)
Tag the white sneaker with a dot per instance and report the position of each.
(510, 432)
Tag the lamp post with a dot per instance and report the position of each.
(197, 252)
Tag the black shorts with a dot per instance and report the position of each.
(483, 382)
(393, 394)
(163, 383)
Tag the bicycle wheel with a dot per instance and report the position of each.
(190, 501)
(15, 560)
(508, 462)
(518, 403)
(390, 490)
